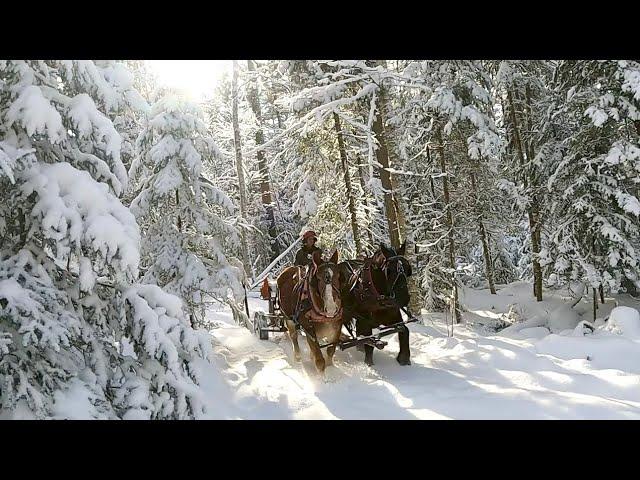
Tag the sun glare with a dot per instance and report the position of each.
(196, 78)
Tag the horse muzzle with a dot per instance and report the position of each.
(320, 318)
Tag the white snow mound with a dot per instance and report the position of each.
(624, 321)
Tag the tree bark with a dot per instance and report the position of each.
(449, 224)
(382, 155)
(601, 290)
(483, 238)
(263, 168)
(534, 225)
(178, 206)
(365, 203)
(239, 165)
(532, 212)
(535, 203)
(347, 182)
(431, 184)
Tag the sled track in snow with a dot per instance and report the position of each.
(465, 377)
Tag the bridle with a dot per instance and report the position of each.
(399, 272)
(317, 314)
(367, 278)
(314, 271)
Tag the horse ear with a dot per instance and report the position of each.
(334, 257)
(317, 258)
(385, 251)
(378, 258)
(407, 268)
(402, 248)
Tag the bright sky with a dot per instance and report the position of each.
(196, 77)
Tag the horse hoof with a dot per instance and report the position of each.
(403, 360)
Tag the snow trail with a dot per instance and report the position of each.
(469, 376)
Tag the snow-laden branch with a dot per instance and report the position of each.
(320, 112)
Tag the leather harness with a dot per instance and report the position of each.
(316, 314)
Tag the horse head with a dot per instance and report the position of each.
(326, 278)
(396, 269)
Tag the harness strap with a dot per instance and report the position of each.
(316, 314)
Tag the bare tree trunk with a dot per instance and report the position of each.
(483, 238)
(263, 168)
(535, 203)
(449, 222)
(396, 221)
(433, 190)
(382, 155)
(534, 225)
(279, 118)
(532, 212)
(487, 257)
(601, 290)
(239, 165)
(365, 204)
(178, 206)
(347, 182)
(595, 303)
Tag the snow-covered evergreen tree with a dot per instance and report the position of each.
(187, 231)
(69, 255)
(595, 173)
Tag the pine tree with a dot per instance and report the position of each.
(69, 254)
(595, 163)
(184, 216)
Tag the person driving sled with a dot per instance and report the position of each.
(304, 259)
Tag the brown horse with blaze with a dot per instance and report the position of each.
(321, 288)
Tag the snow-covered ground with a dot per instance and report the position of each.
(550, 369)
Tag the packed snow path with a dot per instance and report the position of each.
(469, 376)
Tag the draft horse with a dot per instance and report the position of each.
(323, 321)
(374, 292)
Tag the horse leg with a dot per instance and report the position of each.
(330, 352)
(293, 335)
(316, 353)
(362, 329)
(405, 353)
(334, 335)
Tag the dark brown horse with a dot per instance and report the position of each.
(374, 292)
(321, 287)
